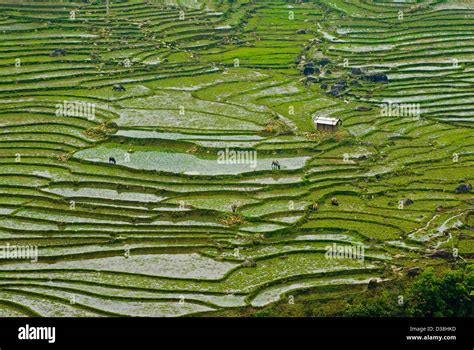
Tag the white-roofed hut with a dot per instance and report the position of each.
(327, 124)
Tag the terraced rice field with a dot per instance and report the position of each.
(168, 230)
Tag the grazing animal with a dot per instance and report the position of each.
(249, 263)
(463, 188)
(112, 160)
(118, 87)
(334, 201)
(275, 165)
(372, 284)
(58, 52)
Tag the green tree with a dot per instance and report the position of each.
(442, 295)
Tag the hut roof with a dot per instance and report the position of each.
(327, 121)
